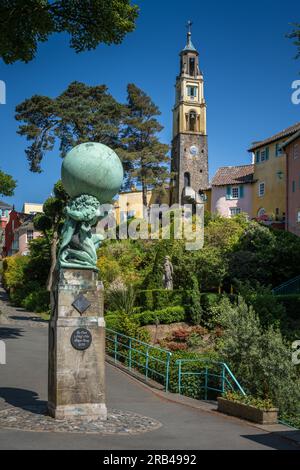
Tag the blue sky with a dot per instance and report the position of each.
(247, 63)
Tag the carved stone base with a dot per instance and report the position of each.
(76, 375)
(87, 411)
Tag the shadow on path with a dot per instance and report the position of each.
(25, 399)
(10, 332)
(27, 318)
(275, 440)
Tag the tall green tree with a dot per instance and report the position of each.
(50, 222)
(7, 184)
(81, 113)
(148, 156)
(23, 24)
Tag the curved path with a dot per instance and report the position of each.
(23, 381)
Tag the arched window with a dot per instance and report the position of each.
(187, 179)
(192, 121)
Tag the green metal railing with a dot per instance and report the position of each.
(151, 361)
(290, 287)
(208, 375)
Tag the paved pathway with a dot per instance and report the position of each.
(23, 381)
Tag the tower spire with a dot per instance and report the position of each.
(189, 45)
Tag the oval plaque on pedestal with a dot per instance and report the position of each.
(81, 339)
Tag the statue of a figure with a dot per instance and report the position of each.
(168, 274)
(78, 244)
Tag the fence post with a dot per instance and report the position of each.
(167, 372)
(147, 361)
(223, 378)
(179, 377)
(129, 364)
(205, 383)
(116, 346)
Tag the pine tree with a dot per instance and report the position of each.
(142, 148)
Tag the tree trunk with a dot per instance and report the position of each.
(53, 260)
(145, 202)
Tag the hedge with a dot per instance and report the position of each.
(156, 299)
(164, 317)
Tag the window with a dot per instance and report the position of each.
(234, 211)
(298, 217)
(293, 186)
(278, 150)
(187, 179)
(192, 91)
(264, 154)
(29, 235)
(192, 120)
(192, 66)
(257, 156)
(261, 189)
(235, 192)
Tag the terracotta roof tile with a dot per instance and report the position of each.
(233, 175)
(285, 133)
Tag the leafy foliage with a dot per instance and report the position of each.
(146, 155)
(88, 22)
(259, 357)
(7, 184)
(81, 113)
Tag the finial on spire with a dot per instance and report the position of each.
(189, 45)
(189, 33)
(189, 26)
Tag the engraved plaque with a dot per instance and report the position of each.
(81, 339)
(81, 304)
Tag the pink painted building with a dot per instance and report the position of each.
(292, 150)
(19, 231)
(231, 191)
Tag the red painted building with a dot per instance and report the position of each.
(292, 150)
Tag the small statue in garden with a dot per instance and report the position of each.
(168, 274)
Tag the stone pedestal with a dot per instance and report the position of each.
(76, 375)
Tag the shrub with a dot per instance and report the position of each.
(291, 304)
(165, 316)
(180, 334)
(193, 306)
(265, 304)
(259, 358)
(13, 271)
(121, 299)
(194, 341)
(261, 404)
(175, 346)
(37, 301)
(155, 299)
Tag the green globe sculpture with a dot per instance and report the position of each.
(93, 169)
(91, 174)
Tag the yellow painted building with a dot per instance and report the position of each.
(32, 208)
(269, 188)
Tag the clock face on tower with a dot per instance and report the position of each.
(194, 150)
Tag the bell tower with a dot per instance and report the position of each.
(189, 161)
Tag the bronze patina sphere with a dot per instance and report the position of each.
(94, 169)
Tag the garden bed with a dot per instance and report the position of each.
(248, 412)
